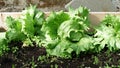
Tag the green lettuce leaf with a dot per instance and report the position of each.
(53, 22)
(109, 32)
(65, 33)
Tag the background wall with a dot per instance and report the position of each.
(45, 5)
(97, 5)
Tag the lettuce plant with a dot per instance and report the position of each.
(27, 28)
(108, 33)
(66, 33)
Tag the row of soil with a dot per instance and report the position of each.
(36, 57)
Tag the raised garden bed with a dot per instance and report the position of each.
(19, 55)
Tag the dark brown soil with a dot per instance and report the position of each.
(27, 57)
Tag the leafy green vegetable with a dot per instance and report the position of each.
(32, 21)
(108, 33)
(3, 46)
(66, 33)
(72, 29)
(61, 33)
(14, 30)
(2, 35)
(52, 23)
(26, 27)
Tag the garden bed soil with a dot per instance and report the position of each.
(27, 57)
